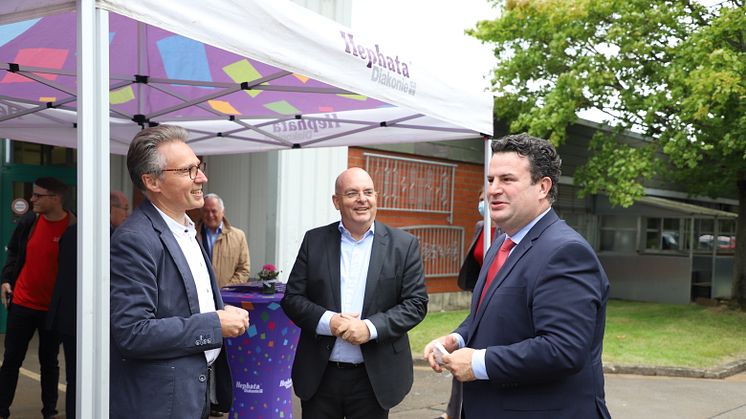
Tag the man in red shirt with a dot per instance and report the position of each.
(28, 277)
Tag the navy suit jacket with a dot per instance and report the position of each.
(542, 324)
(158, 335)
(395, 301)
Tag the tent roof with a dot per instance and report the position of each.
(240, 75)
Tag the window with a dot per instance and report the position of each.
(726, 242)
(618, 233)
(665, 234)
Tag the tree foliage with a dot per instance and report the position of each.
(671, 70)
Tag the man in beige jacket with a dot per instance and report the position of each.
(225, 245)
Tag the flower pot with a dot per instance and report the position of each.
(268, 288)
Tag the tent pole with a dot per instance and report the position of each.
(93, 207)
(487, 220)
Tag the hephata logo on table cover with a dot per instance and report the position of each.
(250, 388)
(385, 70)
(286, 383)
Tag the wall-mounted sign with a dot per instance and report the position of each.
(19, 206)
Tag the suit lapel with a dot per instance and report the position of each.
(377, 254)
(173, 249)
(334, 255)
(520, 250)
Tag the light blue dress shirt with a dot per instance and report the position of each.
(211, 237)
(353, 269)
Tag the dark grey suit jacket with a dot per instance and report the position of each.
(542, 325)
(395, 301)
(158, 335)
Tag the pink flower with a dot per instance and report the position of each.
(269, 267)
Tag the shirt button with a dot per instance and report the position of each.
(202, 378)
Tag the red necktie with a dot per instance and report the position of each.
(502, 256)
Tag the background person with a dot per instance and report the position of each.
(356, 288)
(63, 309)
(28, 277)
(531, 345)
(119, 209)
(225, 245)
(228, 251)
(167, 318)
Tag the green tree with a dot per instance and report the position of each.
(674, 71)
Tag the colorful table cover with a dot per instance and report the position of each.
(261, 360)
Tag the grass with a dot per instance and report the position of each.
(690, 336)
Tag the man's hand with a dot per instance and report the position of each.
(448, 341)
(357, 332)
(233, 321)
(340, 322)
(459, 364)
(6, 293)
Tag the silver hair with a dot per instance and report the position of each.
(215, 196)
(143, 156)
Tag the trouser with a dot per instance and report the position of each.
(344, 392)
(453, 410)
(22, 323)
(206, 408)
(68, 344)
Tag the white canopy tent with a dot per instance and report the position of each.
(339, 88)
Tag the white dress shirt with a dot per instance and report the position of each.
(186, 236)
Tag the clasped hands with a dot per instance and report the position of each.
(457, 361)
(350, 328)
(233, 321)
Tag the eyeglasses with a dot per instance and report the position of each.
(192, 170)
(41, 195)
(368, 193)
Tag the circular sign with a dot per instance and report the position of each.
(19, 206)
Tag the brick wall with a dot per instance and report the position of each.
(468, 182)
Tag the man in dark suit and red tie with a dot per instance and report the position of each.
(531, 345)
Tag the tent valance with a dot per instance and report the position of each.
(241, 76)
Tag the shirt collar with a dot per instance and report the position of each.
(517, 237)
(217, 230)
(175, 227)
(345, 231)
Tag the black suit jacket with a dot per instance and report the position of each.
(395, 301)
(62, 314)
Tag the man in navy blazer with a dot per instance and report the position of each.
(355, 290)
(531, 345)
(167, 318)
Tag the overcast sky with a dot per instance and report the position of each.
(433, 26)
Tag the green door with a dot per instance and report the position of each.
(16, 181)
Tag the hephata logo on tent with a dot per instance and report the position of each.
(385, 70)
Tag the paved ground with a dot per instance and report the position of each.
(628, 396)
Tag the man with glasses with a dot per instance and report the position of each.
(29, 277)
(119, 208)
(167, 318)
(62, 316)
(356, 288)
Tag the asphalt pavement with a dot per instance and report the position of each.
(628, 396)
